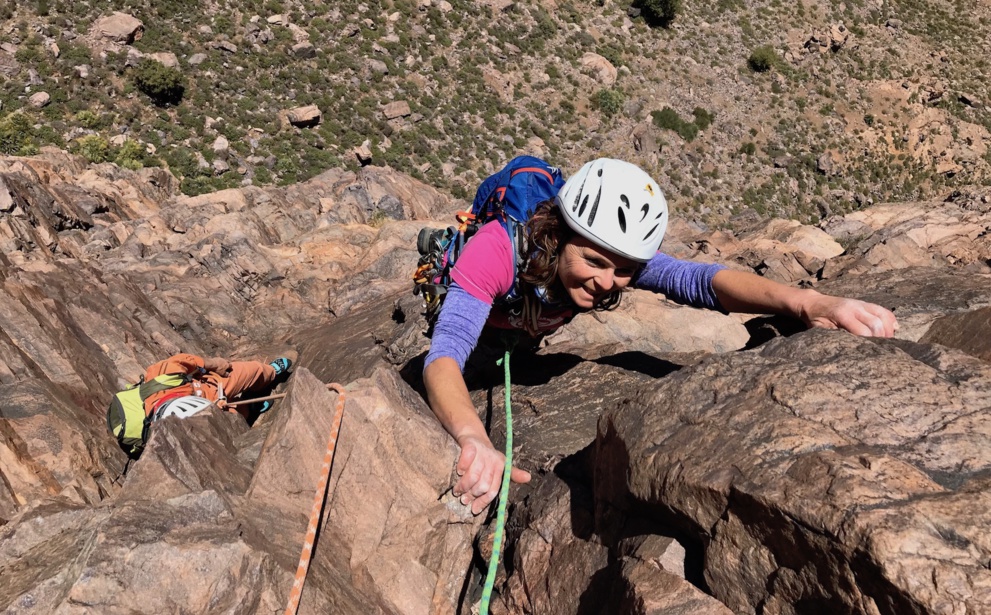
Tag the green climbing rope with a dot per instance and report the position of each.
(503, 496)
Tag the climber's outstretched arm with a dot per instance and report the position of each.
(740, 291)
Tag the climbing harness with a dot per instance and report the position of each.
(318, 501)
(503, 491)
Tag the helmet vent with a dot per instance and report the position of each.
(619, 212)
(647, 236)
(581, 210)
(578, 196)
(643, 211)
(595, 206)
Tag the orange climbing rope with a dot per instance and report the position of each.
(318, 500)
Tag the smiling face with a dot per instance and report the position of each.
(589, 273)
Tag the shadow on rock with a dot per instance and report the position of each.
(763, 329)
(648, 365)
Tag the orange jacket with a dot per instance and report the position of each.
(182, 363)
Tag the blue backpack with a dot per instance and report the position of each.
(509, 196)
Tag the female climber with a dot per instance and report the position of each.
(599, 237)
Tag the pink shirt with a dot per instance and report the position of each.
(485, 271)
(485, 267)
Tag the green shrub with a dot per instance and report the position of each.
(88, 119)
(30, 53)
(263, 176)
(748, 148)
(611, 53)
(73, 55)
(703, 118)
(181, 162)
(93, 148)
(194, 186)
(668, 119)
(115, 61)
(130, 155)
(164, 85)
(46, 134)
(762, 59)
(17, 136)
(609, 101)
(659, 12)
(545, 27)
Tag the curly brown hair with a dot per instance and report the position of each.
(546, 233)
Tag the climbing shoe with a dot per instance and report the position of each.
(281, 365)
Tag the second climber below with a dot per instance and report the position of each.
(597, 238)
(212, 379)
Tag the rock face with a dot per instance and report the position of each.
(822, 472)
(897, 236)
(559, 535)
(88, 301)
(967, 331)
(209, 496)
(53, 443)
(814, 473)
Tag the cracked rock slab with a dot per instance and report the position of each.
(822, 472)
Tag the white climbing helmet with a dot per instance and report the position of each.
(616, 205)
(182, 407)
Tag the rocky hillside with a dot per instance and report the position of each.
(754, 109)
(685, 461)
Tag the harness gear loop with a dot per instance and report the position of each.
(318, 501)
(510, 341)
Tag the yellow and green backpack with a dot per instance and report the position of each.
(126, 417)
